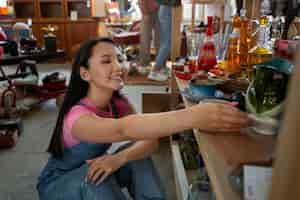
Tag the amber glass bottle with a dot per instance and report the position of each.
(232, 55)
(245, 39)
(262, 52)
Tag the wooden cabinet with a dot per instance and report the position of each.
(82, 7)
(57, 12)
(37, 33)
(24, 10)
(79, 31)
(51, 9)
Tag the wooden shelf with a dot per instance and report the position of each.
(8, 21)
(257, 149)
(80, 20)
(77, 1)
(217, 169)
(24, 10)
(50, 1)
(143, 80)
(202, 1)
(57, 12)
(23, 1)
(223, 153)
(34, 20)
(81, 8)
(51, 10)
(52, 20)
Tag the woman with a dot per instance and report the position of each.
(94, 115)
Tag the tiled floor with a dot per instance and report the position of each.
(20, 166)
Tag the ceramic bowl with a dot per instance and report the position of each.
(202, 90)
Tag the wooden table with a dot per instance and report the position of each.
(222, 153)
(38, 57)
(119, 24)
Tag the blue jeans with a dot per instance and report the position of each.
(165, 26)
(139, 177)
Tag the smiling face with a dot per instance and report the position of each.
(104, 71)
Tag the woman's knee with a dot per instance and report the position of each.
(145, 171)
(108, 190)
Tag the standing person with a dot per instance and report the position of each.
(94, 114)
(123, 4)
(160, 71)
(150, 24)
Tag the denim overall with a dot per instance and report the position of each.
(64, 179)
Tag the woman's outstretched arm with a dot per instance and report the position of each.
(211, 117)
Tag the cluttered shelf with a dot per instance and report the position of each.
(143, 80)
(202, 1)
(224, 153)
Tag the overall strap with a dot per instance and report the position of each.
(114, 108)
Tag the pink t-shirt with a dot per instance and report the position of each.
(89, 107)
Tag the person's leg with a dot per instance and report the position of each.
(122, 7)
(156, 31)
(165, 25)
(73, 186)
(145, 40)
(142, 180)
(124, 178)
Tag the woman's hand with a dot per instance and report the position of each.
(102, 167)
(218, 117)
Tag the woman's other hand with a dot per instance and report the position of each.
(103, 166)
(218, 117)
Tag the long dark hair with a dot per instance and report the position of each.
(77, 89)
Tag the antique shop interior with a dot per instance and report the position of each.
(149, 99)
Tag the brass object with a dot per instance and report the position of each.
(50, 30)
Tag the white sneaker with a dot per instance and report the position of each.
(166, 71)
(157, 76)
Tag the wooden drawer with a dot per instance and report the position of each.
(182, 176)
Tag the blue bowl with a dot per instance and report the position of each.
(202, 90)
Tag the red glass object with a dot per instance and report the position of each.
(183, 75)
(183, 72)
(193, 65)
(217, 72)
(286, 49)
(207, 55)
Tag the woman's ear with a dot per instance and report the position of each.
(84, 74)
